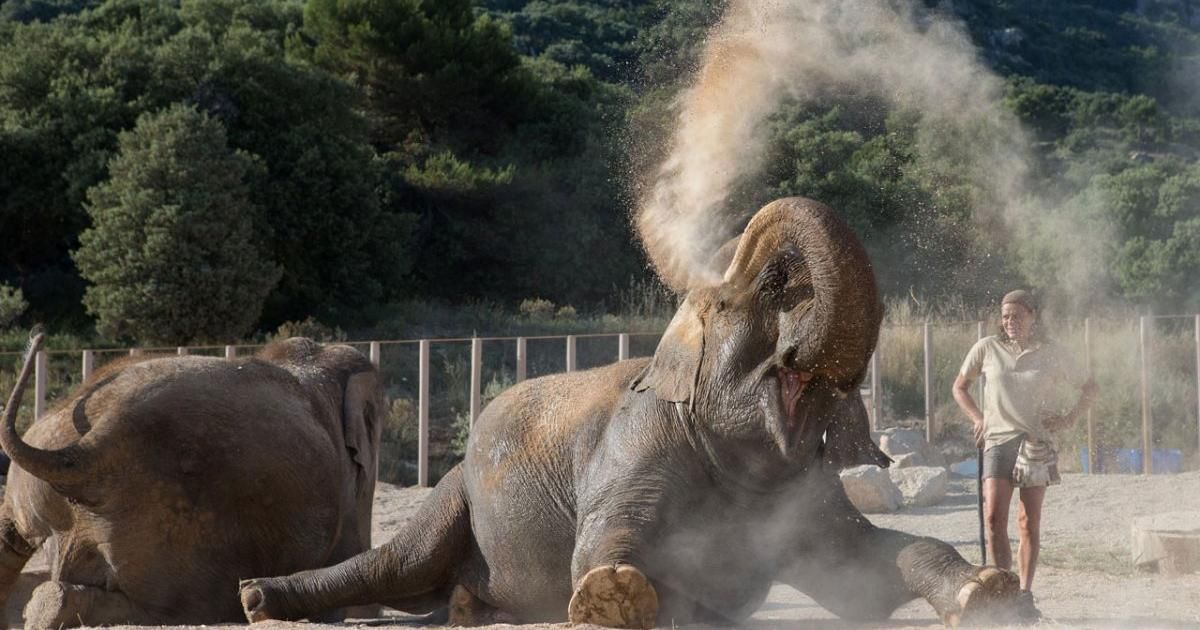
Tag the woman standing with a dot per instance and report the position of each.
(1024, 373)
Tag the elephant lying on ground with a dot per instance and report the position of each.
(161, 483)
(678, 488)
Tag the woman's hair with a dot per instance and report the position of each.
(1026, 300)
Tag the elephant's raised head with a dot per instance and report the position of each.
(767, 352)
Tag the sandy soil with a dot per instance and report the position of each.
(1084, 581)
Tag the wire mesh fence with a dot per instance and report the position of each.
(1147, 370)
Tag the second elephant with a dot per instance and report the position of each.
(160, 483)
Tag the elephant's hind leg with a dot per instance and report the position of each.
(57, 604)
(15, 551)
(410, 572)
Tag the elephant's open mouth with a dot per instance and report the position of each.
(791, 387)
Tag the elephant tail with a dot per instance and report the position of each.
(59, 468)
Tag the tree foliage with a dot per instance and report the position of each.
(172, 254)
(491, 150)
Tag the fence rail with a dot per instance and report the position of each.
(933, 359)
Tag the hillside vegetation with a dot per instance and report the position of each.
(165, 164)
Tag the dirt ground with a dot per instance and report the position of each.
(1084, 580)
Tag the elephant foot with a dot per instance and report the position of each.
(262, 600)
(617, 596)
(989, 597)
(467, 610)
(55, 605)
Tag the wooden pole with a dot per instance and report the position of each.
(979, 462)
(476, 377)
(622, 346)
(423, 414)
(1091, 421)
(876, 403)
(930, 429)
(374, 353)
(522, 358)
(40, 375)
(1144, 343)
(230, 352)
(570, 353)
(89, 364)
(1197, 327)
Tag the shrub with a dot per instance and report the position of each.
(12, 305)
(536, 308)
(310, 328)
(566, 313)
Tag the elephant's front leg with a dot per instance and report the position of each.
(610, 589)
(862, 572)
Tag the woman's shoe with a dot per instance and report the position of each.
(1027, 611)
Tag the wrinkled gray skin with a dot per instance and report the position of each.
(688, 467)
(160, 483)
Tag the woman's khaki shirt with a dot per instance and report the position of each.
(1021, 387)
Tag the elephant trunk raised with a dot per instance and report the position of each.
(838, 329)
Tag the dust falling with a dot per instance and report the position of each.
(912, 59)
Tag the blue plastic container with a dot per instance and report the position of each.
(1129, 461)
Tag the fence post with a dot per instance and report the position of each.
(522, 358)
(623, 345)
(39, 384)
(570, 353)
(423, 414)
(476, 376)
(89, 364)
(876, 403)
(982, 384)
(1197, 326)
(181, 351)
(133, 352)
(230, 352)
(373, 354)
(930, 429)
(1091, 422)
(1144, 342)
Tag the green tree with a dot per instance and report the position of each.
(171, 255)
(69, 86)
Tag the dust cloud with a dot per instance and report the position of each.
(912, 59)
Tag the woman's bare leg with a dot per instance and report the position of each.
(997, 495)
(1030, 523)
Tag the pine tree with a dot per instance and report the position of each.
(171, 256)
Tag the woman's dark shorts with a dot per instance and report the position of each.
(1000, 459)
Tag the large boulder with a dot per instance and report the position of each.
(908, 460)
(871, 489)
(921, 485)
(1168, 543)
(907, 448)
(896, 442)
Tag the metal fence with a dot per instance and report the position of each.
(910, 373)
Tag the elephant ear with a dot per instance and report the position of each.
(673, 371)
(848, 440)
(360, 426)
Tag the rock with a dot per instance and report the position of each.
(1168, 543)
(921, 485)
(871, 489)
(908, 460)
(900, 441)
